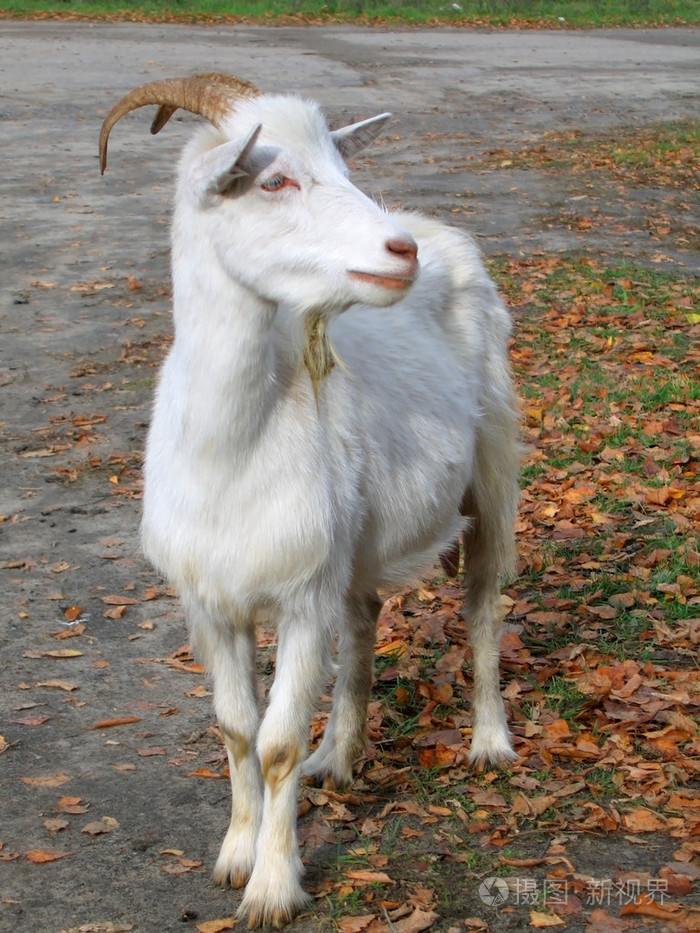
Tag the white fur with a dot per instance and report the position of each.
(262, 495)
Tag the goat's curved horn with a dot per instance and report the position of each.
(210, 95)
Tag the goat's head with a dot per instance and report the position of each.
(264, 194)
(271, 185)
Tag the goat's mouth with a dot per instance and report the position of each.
(391, 282)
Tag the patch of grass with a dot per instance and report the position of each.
(609, 520)
(660, 155)
(570, 13)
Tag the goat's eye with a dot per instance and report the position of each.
(277, 182)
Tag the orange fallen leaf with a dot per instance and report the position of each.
(58, 685)
(363, 876)
(216, 926)
(541, 921)
(115, 613)
(56, 824)
(642, 820)
(116, 600)
(120, 721)
(181, 867)
(204, 773)
(646, 906)
(72, 805)
(354, 924)
(416, 922)
(198, 692)
(397, 647)
(39, 856)
(76, 628)
(49, 780)
(557, 729)
(150, 751)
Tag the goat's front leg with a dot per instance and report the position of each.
(345, 733)
(274, 894)
(229, 653)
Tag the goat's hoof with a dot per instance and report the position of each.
(326, 770)
(276, 919)
(273, 896)
(262, 915)
(501, 758)
(237, 878)
(233, 876)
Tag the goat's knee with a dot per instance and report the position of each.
(278, 762)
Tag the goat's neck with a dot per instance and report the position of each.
(224, 340)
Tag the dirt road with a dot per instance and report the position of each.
(84, 318)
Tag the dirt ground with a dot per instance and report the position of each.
(84, 318)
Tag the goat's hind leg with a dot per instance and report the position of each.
(491, 741)
(489, 558)
(345, 734)
(229, 653)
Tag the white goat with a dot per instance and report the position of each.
(278, 482)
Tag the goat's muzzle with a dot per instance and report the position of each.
(405, 249)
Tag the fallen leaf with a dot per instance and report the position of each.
(646, 906)
(39, 856)
(216, 926)
(63, 653)
(116, 613)
(416, 921)
(99, 827)
(58, 685)
(181, 867)
(362, 876)
(354, 924)
(72, 805)
(120, 721)
(56, 824)
(49, 780)
(198, 692)
(37, 720)
(541, 921)
(204, 773)
(107, 927)
(642, 820)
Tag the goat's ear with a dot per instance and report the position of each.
(217, 171)
(351, 139)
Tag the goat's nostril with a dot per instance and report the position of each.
(404, 248)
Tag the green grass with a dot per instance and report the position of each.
(576, 13)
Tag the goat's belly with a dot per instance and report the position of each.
(416, 519)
